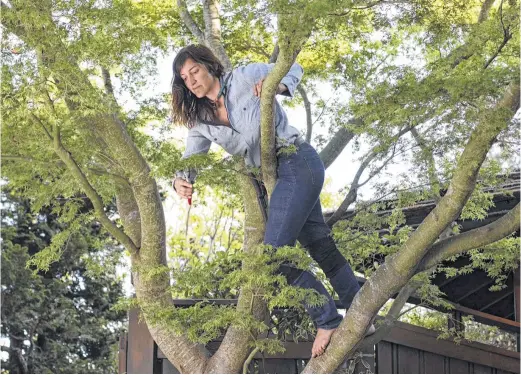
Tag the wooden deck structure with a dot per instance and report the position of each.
(407, 349)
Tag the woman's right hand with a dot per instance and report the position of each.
(183, 188)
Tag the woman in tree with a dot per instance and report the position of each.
(224, 108)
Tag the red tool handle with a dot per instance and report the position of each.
(189, 201)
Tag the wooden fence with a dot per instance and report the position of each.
(407, 349)
(410, 349)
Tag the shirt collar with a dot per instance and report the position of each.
(224, 81)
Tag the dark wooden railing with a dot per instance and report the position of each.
(407, 349)
(411, 349)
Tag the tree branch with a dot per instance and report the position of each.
(337, 144)
(99, 209)
(234, 349)
(307, 106)
(274, 54)
(18, 354)
(213, 31)
(107, 83)
(129, 211)
(355, 184)
(353, 191)
(506, 38)
(31, 334)
(485, 9)
(473, 239)
(464, 51)
(189, 21)
(211, 20)
(390, 277)
(60, 164)
(379, 169)
(324, 108)
(393, 314)
(292, 36)
(343, 136)
(46, 131)
(444, 249)
(152, 290)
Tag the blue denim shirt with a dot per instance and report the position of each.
(243, 136)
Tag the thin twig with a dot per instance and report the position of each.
(368, 6)
(42, 125)
(500, 48)
(355, 185)
(507, 35)
(324, 108)
(377, 170)
(408, 310)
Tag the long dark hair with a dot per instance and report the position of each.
(186, 107)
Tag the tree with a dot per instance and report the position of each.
(457, 98)
(59, 320)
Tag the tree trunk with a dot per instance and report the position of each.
(235, 348)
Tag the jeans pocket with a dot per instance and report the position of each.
(316, 169)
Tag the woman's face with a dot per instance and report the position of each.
(197, 78)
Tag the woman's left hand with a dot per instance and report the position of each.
(257, 89)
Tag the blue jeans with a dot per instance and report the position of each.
(295, 214)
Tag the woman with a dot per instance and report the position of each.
(225, 108)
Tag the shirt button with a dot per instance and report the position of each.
(215, 139)
(244, 108)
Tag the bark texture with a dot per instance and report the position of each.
(128, 211)
(292, 36)
(212, 23)
(152, 291)
(189, 22)
(335, 146)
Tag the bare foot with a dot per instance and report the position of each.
(321, 341)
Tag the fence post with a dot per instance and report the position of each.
(140, 346)
(122, 354)
(517, 297)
